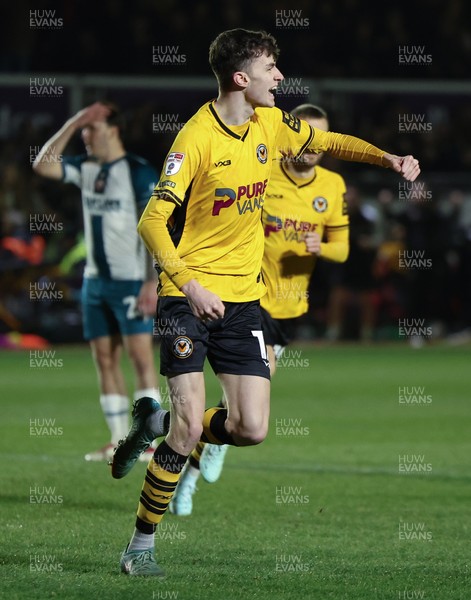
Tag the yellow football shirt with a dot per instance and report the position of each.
(293, 207)
(211, 193)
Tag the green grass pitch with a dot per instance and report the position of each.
(361, 491)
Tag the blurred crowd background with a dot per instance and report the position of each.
(345, 38)
(324, 57)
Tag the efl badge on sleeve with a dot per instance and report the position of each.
(174, 162)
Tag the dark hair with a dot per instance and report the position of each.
(311, 111)
(232, 50)
(116, 117)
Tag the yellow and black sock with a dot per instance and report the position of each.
(162, 475)
(195, 456)
(214, 430)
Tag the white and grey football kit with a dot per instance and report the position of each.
(113, 198)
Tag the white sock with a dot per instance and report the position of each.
(149, 392)
(116, 410)
(141, 541)
(155, 394)
(156, 421)
(124, 423)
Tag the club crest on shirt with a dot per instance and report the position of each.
(319, 204)
(262, 153)
(174, 162)
(182, 346)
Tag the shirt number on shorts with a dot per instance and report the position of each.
(261, 342)
(132, 312)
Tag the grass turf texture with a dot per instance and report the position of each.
(331, 531)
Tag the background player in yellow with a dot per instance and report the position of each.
(303, 201)
(203, 227)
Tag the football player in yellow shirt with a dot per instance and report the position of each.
(203, 228)
(303, 202)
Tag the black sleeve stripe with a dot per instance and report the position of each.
(167, 195)
(308, 141)
(337, 226)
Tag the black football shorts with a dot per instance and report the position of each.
(233, 344)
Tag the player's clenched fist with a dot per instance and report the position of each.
(204, 304)
(407, 166)
(313, 242)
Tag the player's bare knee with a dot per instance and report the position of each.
(255, 438)
(252, 438)
(248, 435)
(104, 361)
(142, 364)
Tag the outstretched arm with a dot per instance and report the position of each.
(348, 147)
(295, 136)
